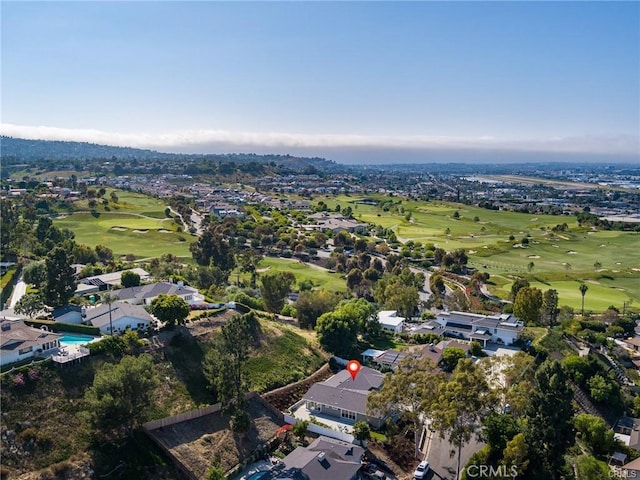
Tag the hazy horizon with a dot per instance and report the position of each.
(354, 82)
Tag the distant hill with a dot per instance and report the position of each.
(18, 150)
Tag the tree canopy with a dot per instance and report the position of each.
(60, 284)
(121, 392)
(171, 309)
(275, 286)
(130, 279)
(224, 365)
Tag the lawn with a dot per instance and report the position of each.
(128, 233)
(305, 272)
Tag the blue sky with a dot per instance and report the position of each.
(351, 81)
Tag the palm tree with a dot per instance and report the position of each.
(109, 299)
(583, 291)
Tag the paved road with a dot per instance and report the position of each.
(485, 291)
(425, 293)
(196, 220)
(18, 291)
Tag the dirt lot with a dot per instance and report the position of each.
(204, 327)
(283, 398)
(201, 442)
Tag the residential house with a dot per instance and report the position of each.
(633, 343)
(107, 281)
(391, 358)
(68, 314)
(343, 398)
(627, 430)
(325, 458)
(628, 470)
(503, 328)
(18, 341)
(335, 222)
(122, 316)
(390, 321)
(145, 294)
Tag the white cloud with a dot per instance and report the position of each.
(204, 141)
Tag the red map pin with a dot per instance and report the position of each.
(354, 367)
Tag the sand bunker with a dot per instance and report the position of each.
(140, 231)
(602, 245)
(555, 246)
(164, 230)
(119, 229)
(471, 252)
(533, 256)
(571, 252)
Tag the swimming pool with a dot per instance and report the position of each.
(72, 339)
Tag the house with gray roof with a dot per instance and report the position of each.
(122, 316)
(335, 222)
(145, 294)
(345, 399)
(325, 458)
(18, 341)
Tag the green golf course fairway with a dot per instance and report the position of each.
(579, 253)
(128, 234)
(598, 298)
(302, 271)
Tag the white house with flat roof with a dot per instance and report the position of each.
(502, 328)
(390, 321)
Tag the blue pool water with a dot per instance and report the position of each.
(72, 339)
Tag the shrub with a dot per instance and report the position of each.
(64, 327)
(19, 380)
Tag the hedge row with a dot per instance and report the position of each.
(65, 327)
(7, 283)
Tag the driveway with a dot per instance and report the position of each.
(18, 291)
(439, 456)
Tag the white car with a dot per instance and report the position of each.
(421, 470)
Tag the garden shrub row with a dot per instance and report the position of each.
(7, 283)
(64, 327)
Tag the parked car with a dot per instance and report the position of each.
(421, 470)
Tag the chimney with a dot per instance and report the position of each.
(431, 347)
(321, 456)
(180, 284)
